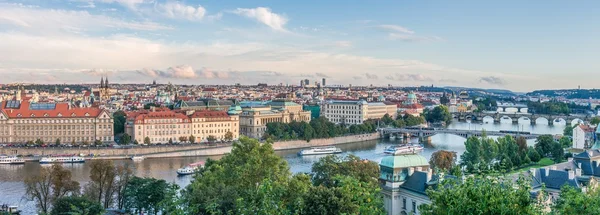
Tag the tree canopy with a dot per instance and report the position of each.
(439, 114)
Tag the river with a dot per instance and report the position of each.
(12, 176)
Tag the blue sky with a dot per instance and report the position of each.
(517, 45)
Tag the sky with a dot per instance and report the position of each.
(515, 45)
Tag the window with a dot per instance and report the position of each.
(414, 207)
(404, 203)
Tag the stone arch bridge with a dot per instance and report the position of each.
(515, 117)
(428, 132)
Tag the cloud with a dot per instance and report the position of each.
(356, 77)
(49, 21)
(396, 28)
(98, 72)
(177, 10)
(131, 4)
(177, 72)
(371, 76)
(343, 44)
(448, 80)
(322, 75)
(492, 80)
(264, 15)
(413, 77)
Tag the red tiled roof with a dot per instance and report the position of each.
(209, 114)
(61, 108)
(142, 115)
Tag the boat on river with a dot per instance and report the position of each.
(11, 160)
(404, 149)
(190, 168)
(62, 159)
(137, 158)
(320, 150)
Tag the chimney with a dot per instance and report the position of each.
(553, 167)
(547, 170)
(411, 170)
(429, 174)
(577, 172)
(579, 165)
(419, 168)
(571, 174)
(532, 172)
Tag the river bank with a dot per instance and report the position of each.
(175, 151)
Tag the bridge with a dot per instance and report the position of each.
(427, 132)
(521, 117)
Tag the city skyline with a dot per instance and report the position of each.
(520, 46)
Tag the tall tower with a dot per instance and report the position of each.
(101, 82)
(323, 82)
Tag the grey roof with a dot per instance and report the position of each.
(417, 182)
(554, 180)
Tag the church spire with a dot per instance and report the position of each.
(101, 82)
(106, 82)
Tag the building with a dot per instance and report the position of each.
(411, 106)
(204, 104)
(254, 117)
(22, 121)
(162, 125)
(104, 90)
(583, 136)
(356, 112)
(404, 180)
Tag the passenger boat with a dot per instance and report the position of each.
(403, 149)
(11, 160)
(9, 209)
(190, 168)
(70, 159)
(137, 158)
(320, 150)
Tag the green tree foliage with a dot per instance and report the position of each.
(442, 160)
(486, 104)
(170, 141)
(595, 121)
(544, 144)
(192, 139)
(439, 114)
(50, 184)
(147, 140)
(317, 128)
(325, 170)
(148, 194)
(411, 120)
(211, 138)
(548, 107)
(486, 155)
(101, 187)
(125, 139)
(76, 205)
(557, 152)
(119, 119)
(565, 142)
(228, 136)
(39, 142)
(481, 195)
(574, 201)
(533, 154)
(57, 142)
(347, 196)
(387, 119)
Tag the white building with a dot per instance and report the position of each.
(356, 112)
(582, 136)
(404, 180)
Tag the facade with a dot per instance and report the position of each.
(356, 112)
(204, 104)
(583, 137)
(411, 106)
(254, 118)
(404, 180)
(22, 121)
(163, 125)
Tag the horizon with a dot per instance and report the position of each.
(510, 45)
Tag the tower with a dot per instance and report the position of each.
(323, 82)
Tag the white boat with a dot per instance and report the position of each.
(190, 168)
(70, 159)
(320, 150)
(403, 150)
(11, 160)
(138, 158)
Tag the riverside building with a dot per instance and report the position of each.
(254, 117)
(352, 112)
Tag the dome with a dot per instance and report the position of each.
(403, 161)
(234, 110)
(412, 96)
(381, 98)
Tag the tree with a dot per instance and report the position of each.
(39, 142)
(125, 139)
(544, 144)
(343, 198)
(387, 120)
(73, 143)
(481, 195)
(568, 131)
(183, 139)
(147, 194)
(533, 155)
(49, 185)
(136, 142)
(171, 141)
(101, 187)
(229, 136)
(325, 170)
(439, 114)
(472, 155)
(119, 119)
(574, 201)
(211, 138)
(192, 139)
(442, 160)
(76, 205)
(98, 142)
(595, 121)
(413, 120)
(124, 173)
(565, 142)
(147, 140)
(57, 142)
(557, 151)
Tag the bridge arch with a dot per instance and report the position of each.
(559, 121)
(524, 120)
(542, 121)
(488, 119)
(576, 121)
(506, 120)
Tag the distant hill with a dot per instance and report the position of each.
(483, 92)
(568, 93)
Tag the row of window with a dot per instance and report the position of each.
(345, 107)
(64, 140)
(62, 121)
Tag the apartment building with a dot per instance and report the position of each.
(22, 121)
(356, 112)
(162, 125)
(254, 118)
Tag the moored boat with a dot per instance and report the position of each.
(320, 150)
(11, 160)
(138, 158)
(190, 168)
(62, 159)
(403, 149)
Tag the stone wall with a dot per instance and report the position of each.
(180, 151)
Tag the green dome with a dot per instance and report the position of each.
(412, 96)
(233, 110)
(403, 161)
